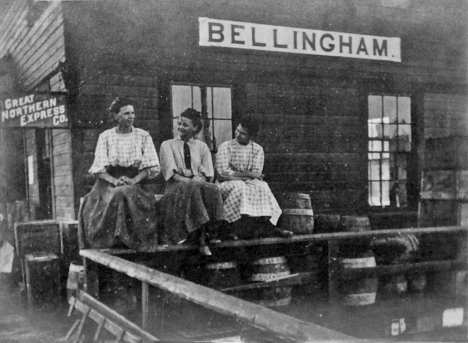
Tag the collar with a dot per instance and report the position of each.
(191, 140)
(115, 129)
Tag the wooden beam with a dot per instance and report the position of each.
(252, 314)
(337, 236)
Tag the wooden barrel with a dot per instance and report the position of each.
(269, 269)
(362, 291)
(417, 282)
(297, 215)
(326, 223)
(393, 285)
(354, 224)
(314, 263)
(220, 275)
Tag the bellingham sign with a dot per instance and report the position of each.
(240, 35)
(34, 110)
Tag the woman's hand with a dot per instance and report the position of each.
(199, 178)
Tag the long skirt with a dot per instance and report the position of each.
(125, 214)
(252, 198)
(185, 207)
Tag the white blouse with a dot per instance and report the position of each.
(129, 149)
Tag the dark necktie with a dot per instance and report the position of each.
(187, 158)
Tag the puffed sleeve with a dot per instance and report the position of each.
(150, 157)
(223, 159)
(168, 164)
(206, 162)
(258, 159)
(101, 159)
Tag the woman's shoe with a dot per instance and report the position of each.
(205, 250)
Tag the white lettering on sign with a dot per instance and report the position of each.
(240, 35)
(34, 110)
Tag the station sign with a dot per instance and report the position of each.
(39, 110)
(241, 35)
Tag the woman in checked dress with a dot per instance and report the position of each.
(239, 164)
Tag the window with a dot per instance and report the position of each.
(214, 103)
(389, 134)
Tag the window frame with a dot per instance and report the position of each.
(412, 159)
(212, 119)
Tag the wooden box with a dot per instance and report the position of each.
(42, 278)
(37, 236)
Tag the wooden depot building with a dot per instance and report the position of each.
(363, 104)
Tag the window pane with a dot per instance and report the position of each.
(390, 131)
(404, 133)
(401, 165)
(374, 193)
(375, 107)
(385, 193)
(222, 103)
(386, 166)
(375, 145)
(374, 169)
(404, 110)
(390, 109)
(196, 93)
(375, 130)
(402, 195)
(386, 145)
(181, 99)
(223, 131)
(209, 102)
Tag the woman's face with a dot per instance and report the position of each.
(186, 127)
(242, 135)
(126, 116)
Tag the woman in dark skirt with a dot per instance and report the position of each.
(119, 210)
(190, 202)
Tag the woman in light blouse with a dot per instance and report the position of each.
(191, 202)
(119, 210)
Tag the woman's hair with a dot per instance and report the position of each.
(251, 124)
(118, 103)
(194, 116)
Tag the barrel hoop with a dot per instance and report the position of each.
(269, 276)
(298, 211)
(293, 196)
(270, 260)
(221, 265)
(364, 262)
(280, 302)
(360, 299)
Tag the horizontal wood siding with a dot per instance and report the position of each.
(445, 115)
(36, 47)
(311, 144)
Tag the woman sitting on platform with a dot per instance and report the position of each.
(191, 203)
(239, 164)
(119, 210)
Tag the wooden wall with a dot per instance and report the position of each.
(32, 33)
(313, 108)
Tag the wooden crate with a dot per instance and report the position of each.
(42, 278)
(37, 236)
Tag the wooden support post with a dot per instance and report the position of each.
(91, 278)
(333, 294)
(144, 305)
